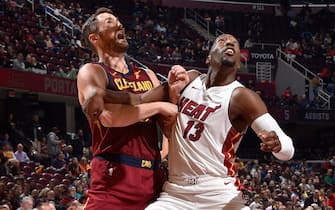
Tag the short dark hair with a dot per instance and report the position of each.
(90, 25)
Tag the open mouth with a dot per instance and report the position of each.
(229, 51)
(120, 35)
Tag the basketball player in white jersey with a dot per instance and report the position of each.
(215, 111)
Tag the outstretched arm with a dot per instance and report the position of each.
(273, 137)
(247, 109)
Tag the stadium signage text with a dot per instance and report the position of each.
(317, 116)
(39, 83)
(264, 56)
(59, 86)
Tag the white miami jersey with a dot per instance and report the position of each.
(204, 142)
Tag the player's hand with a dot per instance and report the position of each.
(270, 141)
(178, 79)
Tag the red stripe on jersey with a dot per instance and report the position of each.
(229, 152)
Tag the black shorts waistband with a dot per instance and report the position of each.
(129, 160)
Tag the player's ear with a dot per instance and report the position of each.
(238, 63)
(208, 59)
(93, 37)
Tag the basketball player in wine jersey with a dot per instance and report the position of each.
(125, 171)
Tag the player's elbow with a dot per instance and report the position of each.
(93, 107)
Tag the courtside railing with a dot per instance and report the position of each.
(307, 74)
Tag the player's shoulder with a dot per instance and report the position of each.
(242, 91)
(90, 69)
(246, 96)
(149, 72)
(193, 73)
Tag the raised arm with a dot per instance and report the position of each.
(247, 109)
(178, 79)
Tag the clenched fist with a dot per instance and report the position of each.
(178, 79)
(270, 141)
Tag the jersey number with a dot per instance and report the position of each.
(199, 127)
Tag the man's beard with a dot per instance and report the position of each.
(116, 45)
(226, 62)
(120, 47)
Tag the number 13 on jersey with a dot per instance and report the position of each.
(195, 133)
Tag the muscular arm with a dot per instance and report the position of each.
(118, 115)
(92, 82)
(160, 92)
(169, 91)
(92, 93)
(247, 109)
(245, 106)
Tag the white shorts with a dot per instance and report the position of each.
(199, 193)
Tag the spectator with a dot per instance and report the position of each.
(4, 169)
(20, 154)
(59, 162)
(39, 40)
(330, 198)
(72, 74)
(31, 63)
(35, 132)
(47, 206)
(303, 101)
(83, 165)
(4, 140)
(256, 204)
(315, 83)
(34, 193)
(5, 207)
(28, 62)
(287, 93)
(78, 142)
(317, 103)
(68, 152)
(4, 61)
(44, 157)
(53, 142)
(49, 43)
(248, 43)
(73, 168)
(313, 198)
(27, 203)
(18, 62)
(176, 55)
(9, 154)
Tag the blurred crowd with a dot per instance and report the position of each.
(41, 165)
(156, 34)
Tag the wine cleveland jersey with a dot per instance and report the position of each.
(138, 140)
